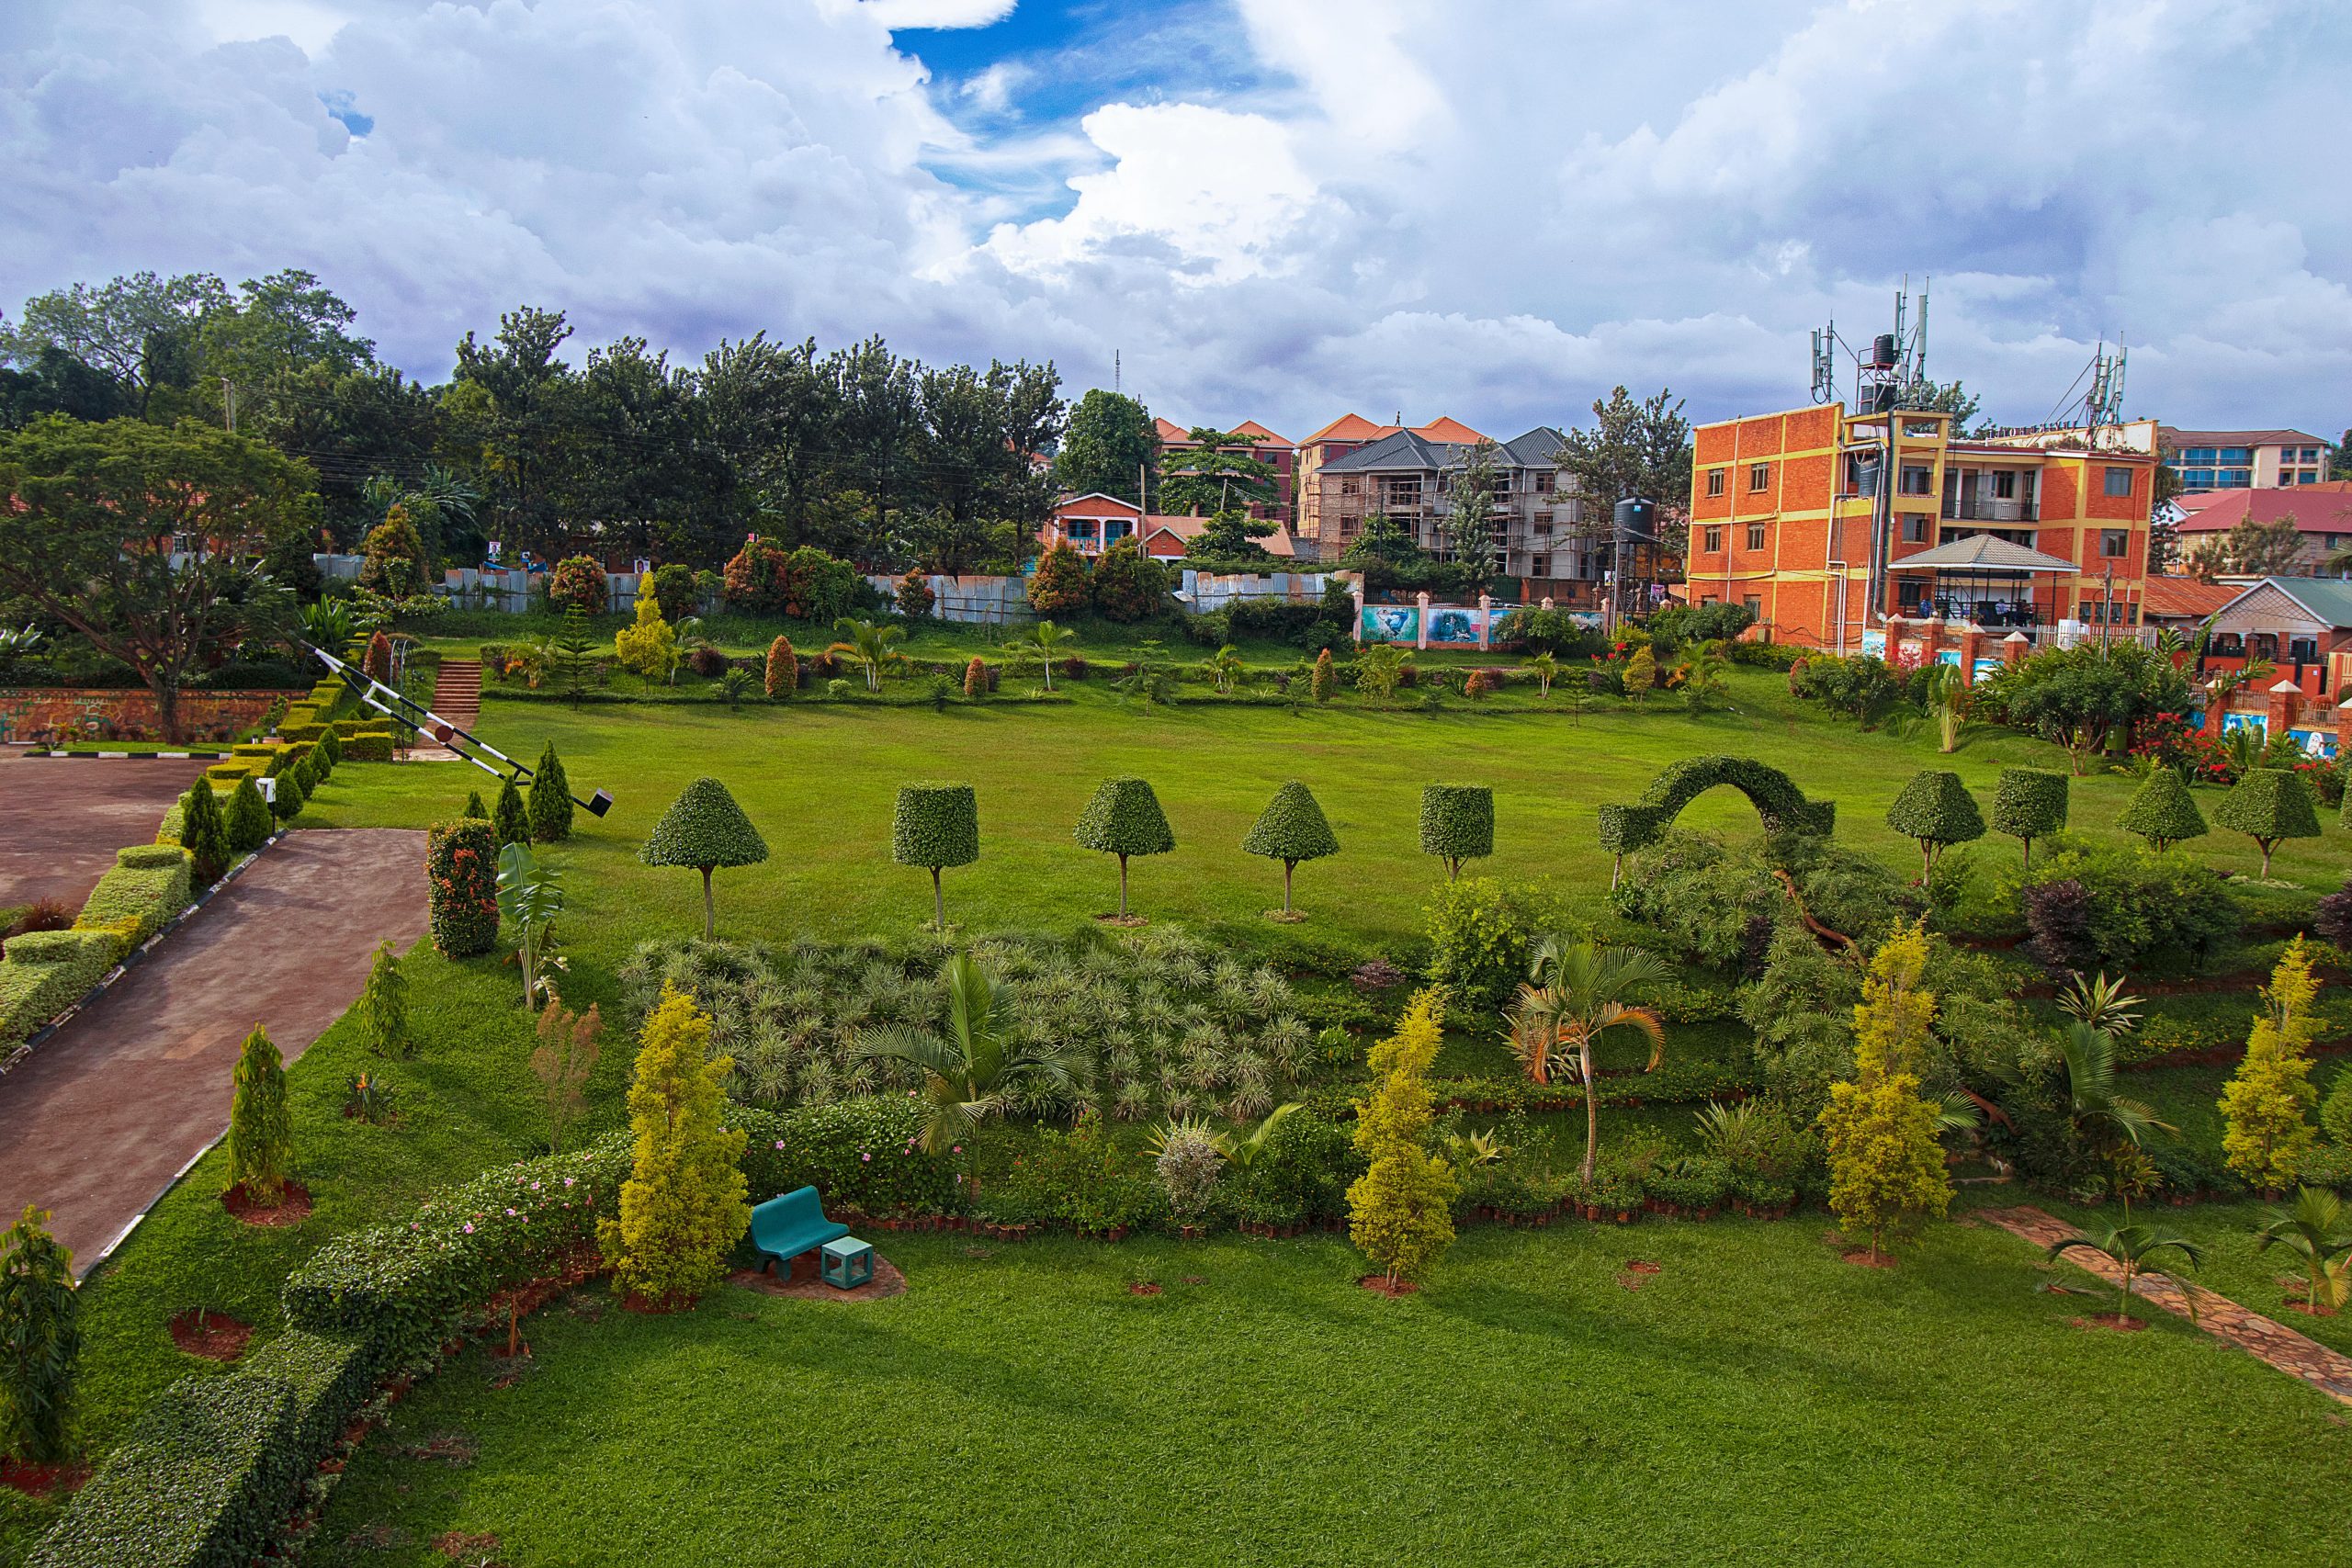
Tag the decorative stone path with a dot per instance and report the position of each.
(104, 1117)
(2261, 1338)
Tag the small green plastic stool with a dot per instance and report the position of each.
(846, 1263)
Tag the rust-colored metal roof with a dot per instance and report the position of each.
(2185, 598)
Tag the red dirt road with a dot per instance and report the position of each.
(61, 819)
(100, 1120)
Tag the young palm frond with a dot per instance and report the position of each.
(2312, 1230)
(2129, 1248)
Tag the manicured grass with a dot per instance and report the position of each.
(1757, 1401)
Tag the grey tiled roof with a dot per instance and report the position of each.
(1406, 451)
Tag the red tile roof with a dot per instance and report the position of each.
(1278, 543)
(1445, 428)
(1265, 437)
(2316, 509)
(2185, 598)
(1350, 428)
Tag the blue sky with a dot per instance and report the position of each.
(1283, 210)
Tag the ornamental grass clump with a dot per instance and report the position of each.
(706, 829)
(1936, 811)
(682, 1207)
(2029, 803)
(937, 826)
(2269, 806)
(1123, 820)
(1886, 1169)
(1291, 830)
(41, 1341)
(260, 1128)
(1400, 1212)
(2267, 1105)
(2163, 812)
(1457, 824)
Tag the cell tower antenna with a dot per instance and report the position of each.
(1824, 363)
(1117, 387)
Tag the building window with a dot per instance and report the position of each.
(1755, 606)
(1711, 539)
(2118, 481)
(1915, 479)
(1542, 566)
(2238, 455)
(1544, 480)
(1914, 528)
(2005, 485)
(2233, 479)
(1347, 487)
(1760, 477)
(2198, 455)
(1349, 526)
(2114, 543)
(1714, 481)
(2197, 479)
(1756, 535)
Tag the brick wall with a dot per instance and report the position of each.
(33, 713)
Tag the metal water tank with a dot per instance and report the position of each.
(1637, 518)
(1882, 351)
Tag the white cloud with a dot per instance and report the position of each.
(1494, 207)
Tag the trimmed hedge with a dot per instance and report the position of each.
(461, 887)
(936, 825)
(1457, 823)
(2029, 803)
(150, 884)
(2164, 812)
(371, 745)
(404, 1286)
(1775, 796)
(863, 1155)
(1125, 818)
(46, 972)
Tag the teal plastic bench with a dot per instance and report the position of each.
(783, 1228)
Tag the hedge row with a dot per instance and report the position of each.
(211, 1470)
(149, 884)
(44, 972)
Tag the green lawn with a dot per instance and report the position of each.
(1757, 1401)
(1758, 1398)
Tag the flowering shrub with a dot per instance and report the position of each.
(864, 1154)
(462, 885)
(1077, 1178)
(409, 1284)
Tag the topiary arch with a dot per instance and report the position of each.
(1775, 796)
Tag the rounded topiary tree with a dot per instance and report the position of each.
(2269, 806)
(1123, 819)
(551, 799)
(1457, 824)
(461, 887)
(783, 672)
(261, 1127)
(706, 829)
(248, 819)
(578, 582)
(510, 823)
(2164, 812)
(1935, 809)
(937, 826)
(204, 831)
(1291, 830)
(2029, 803)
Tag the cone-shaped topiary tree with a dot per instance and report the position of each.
(320, 760)
(40, 1340)
(248, 819)
(333, 741)
(2269, 806)
(783, 671)
(681, 1206)
(706, 829)
(287, 795)
(2029, 803)
(2163, 812)
(1320, 685)
(976, 680)
(378, 661)
(1935, 809)
(204, 831)
(937, 826)
(551, 799)
(461, 887)
(474, 807)
(260, 1128)
(510, 821)
(1123, 819)
(383, 1005)
(1457, 824)
(1292, 829)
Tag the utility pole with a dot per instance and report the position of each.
(2106, 607)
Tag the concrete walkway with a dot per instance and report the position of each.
(108, 1113)
(2264, 1338)
(61, 819)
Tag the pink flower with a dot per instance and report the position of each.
(959, 1148)
(779, 1143)
(867, 1158)
(469, 1227)
(510, 1213)
(567, 1182)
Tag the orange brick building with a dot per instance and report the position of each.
(1810, 516)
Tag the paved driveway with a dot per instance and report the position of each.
(61, 819)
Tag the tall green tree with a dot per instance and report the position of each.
(1947, 397)
(1631, 449)
(1577, 996)
(681, 1206)
(1219, 472)
(141, 330)
(1109, 444)
(1470, 519)
(148, 541)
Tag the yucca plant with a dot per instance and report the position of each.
(2100, 1003)
(2129, 1248)
(2313, 1231)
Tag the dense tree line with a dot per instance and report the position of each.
(865, 454)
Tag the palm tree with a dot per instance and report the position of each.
(1575, 997)
(2129, 1248)
(2104, 1118)
(981, 1066)
(2312, 1231)
(1043, 643)
(1701, 673)
(874, 648)
(1947, 695)
(1547, 669)
(1223, 666)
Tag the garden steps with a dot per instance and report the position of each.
(457, 692)
(2263, 1339)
